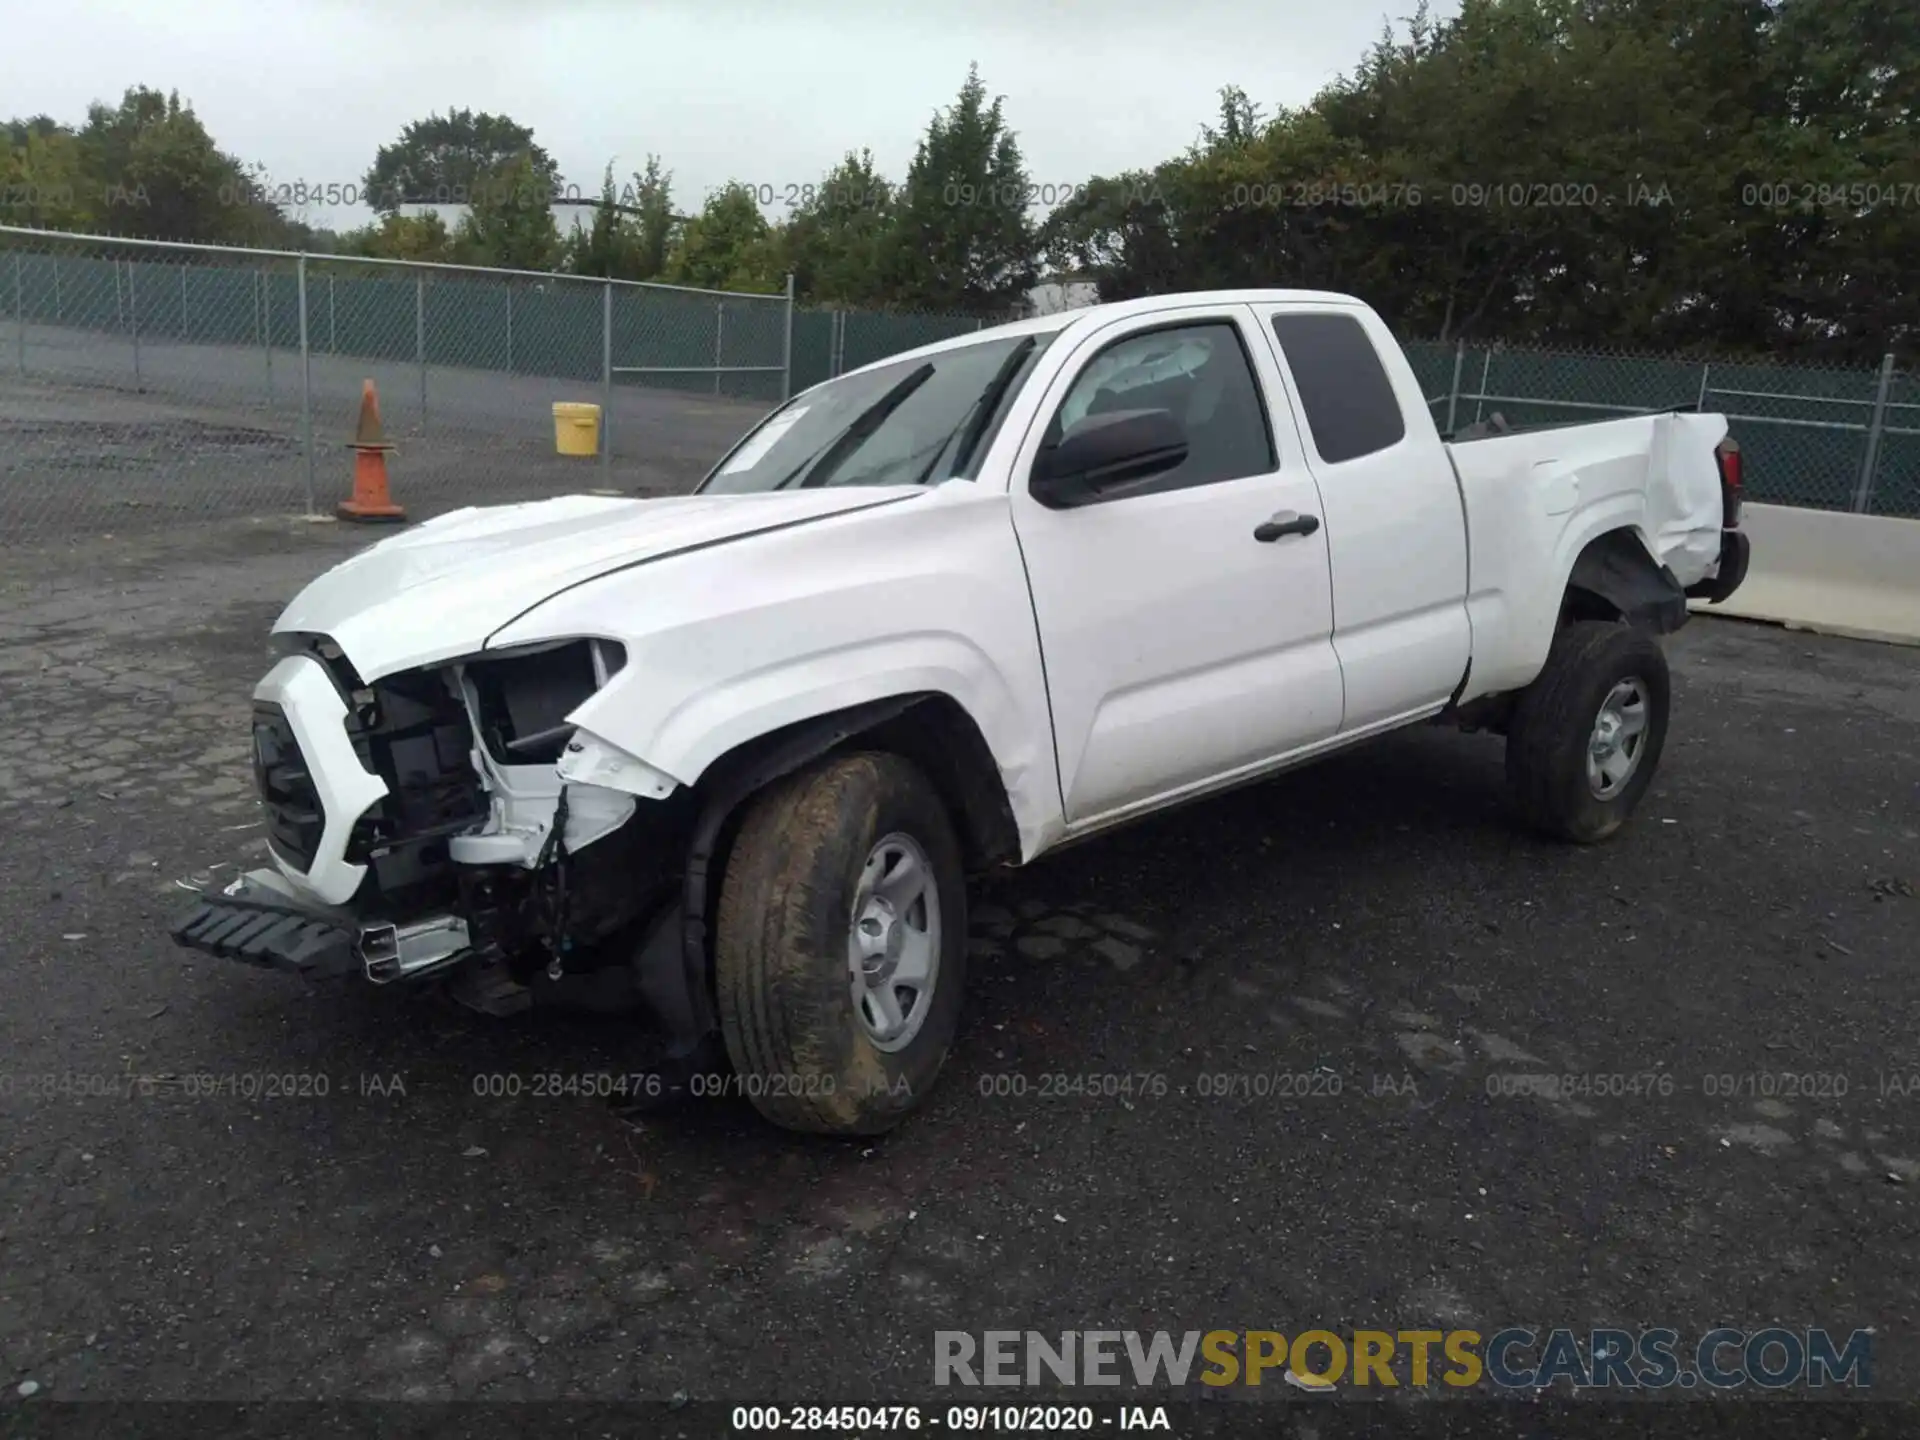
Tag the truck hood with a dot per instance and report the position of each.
(440, 589)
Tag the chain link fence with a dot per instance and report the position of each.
(832, 342)
(143, 382)
(1825, 438)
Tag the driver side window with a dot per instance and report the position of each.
(1198, 372)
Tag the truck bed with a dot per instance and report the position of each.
(1528, 494)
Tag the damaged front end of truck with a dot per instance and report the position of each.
(449, 822)
(434, 807)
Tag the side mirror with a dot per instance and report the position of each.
(1106, 453)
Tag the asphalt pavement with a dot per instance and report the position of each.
(91, 444)
(217, 1183)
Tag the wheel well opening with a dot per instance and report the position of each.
(1615, 579)
(938, 736)
(932, 731)
(1580, 603)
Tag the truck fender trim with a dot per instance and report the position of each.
(1618, 569)
(662, 981)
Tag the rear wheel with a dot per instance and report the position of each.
(840, 953)
(1586, 736)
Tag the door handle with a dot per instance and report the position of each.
(1286, 523)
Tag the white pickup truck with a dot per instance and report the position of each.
(738, 751)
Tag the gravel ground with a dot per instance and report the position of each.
(1374, 919)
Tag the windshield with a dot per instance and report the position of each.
(916, 422)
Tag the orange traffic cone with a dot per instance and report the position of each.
(371, 500)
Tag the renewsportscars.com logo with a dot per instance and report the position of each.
(1515, 1358)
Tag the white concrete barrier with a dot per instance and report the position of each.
(1830, 572)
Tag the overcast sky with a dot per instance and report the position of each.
(769, 92)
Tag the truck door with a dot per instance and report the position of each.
(1396, 529)
(1185, 622)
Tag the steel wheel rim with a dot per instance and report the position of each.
(1618, 738)
(893, 942)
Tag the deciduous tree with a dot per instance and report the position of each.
(728, 246)
(440, 159)
(509, 221)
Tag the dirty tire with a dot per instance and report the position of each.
(781, 947)
(1553, 723)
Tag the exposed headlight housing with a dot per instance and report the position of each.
(525, 695)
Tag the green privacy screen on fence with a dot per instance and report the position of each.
(1804, 430)
(517, 324)
(1807, 431)
(522, 326)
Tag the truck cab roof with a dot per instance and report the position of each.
(1090, 315)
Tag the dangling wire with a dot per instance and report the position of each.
(554, 850)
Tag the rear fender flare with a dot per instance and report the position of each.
(1617, 568)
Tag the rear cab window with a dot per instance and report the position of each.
(1349, 402)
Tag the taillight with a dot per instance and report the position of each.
(1728, 455)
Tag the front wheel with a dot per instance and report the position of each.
(1587, 734)
(840, 953)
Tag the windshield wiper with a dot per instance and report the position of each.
(817, 468)
(974, 423)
